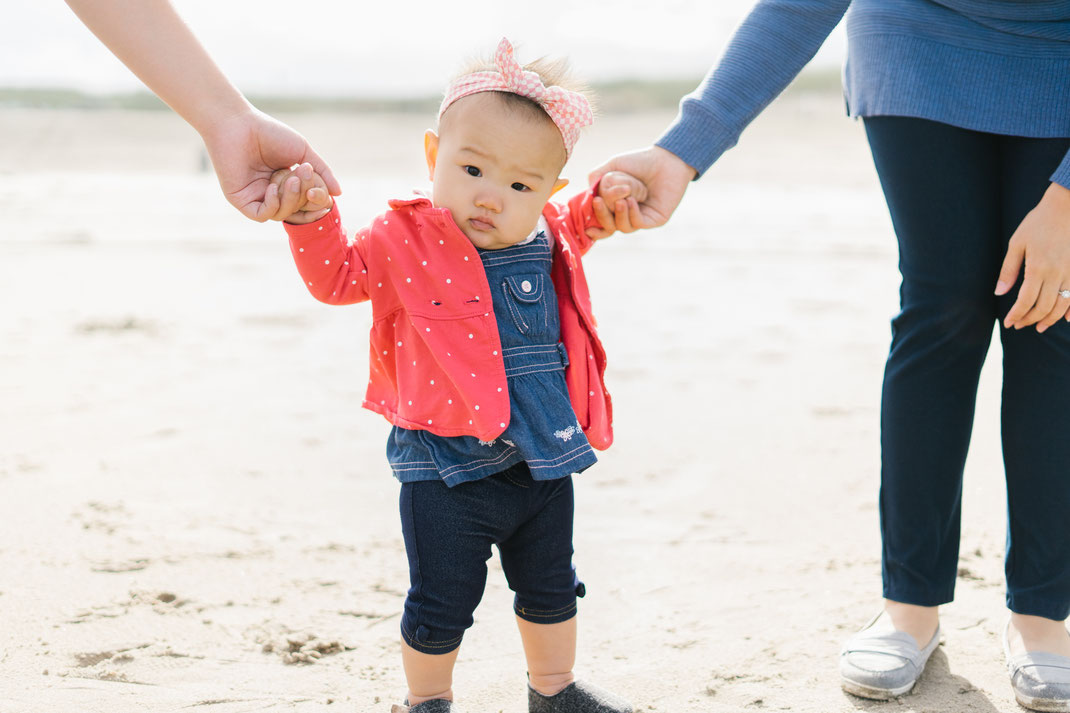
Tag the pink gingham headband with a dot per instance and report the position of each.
(569, 110)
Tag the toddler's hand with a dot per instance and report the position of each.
(617, 204)
(303, 196)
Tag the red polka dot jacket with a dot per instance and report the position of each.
(435, 357)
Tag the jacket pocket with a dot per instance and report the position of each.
(525, 298)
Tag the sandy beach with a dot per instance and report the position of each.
(196, 514)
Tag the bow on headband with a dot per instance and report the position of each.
(569, 110)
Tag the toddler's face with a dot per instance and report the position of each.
(494, 167)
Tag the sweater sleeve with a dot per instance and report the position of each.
(772, 45)
(334, 270)
(1062, 173)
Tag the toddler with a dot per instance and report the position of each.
(485, 358)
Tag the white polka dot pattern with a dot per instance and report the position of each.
(416, 381)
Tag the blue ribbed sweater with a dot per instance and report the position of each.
(1001, 66)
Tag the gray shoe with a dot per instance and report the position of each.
(577, 697)
(435, 705)
(1041, 681)
(883, 666)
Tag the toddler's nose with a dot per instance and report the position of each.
(489, 200)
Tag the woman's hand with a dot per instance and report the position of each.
(1042, 242)
(301, 193)
(245, 145)
(247, 148)
(624, 193)
(665, 176)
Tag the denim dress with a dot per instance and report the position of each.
(543, 430)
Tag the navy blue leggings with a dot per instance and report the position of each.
(956, 196)
(448, 537)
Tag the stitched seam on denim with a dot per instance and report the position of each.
(582, 446)
(533, 369)
(531, 356)
(533, 353)
(519, 253)
(532, 613)
(554, 466)
(514, 311)
(529, 349)
(413, 462)
(476, 464)
(559, 463)
(534, 295)
(417, 468)
(416, 643)
(475, 474)
(527, 372)
(534, 358)
(533, 258)
(550, 612)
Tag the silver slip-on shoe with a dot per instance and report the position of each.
(1041, 681)
(883, 666)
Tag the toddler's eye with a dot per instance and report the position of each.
(473, 171)
(520, 187)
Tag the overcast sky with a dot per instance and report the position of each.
(354, 47)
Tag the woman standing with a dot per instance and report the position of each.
(966, 105)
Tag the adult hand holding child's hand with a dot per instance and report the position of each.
(617, 204)
(302, 195)
(664, 174)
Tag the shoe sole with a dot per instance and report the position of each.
(1047, 705)
(884, 694)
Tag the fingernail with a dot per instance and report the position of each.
(1002, 287)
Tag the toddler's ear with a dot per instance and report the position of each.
(431, 152)
(561, 183)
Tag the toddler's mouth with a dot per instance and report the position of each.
(482, 224)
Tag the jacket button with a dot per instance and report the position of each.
(525, 286)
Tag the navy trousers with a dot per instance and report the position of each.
(956, 196)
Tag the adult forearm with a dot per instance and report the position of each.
(772, 45)
(150, 38)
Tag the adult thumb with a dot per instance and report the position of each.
(320, 166)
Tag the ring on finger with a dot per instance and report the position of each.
(1064, 294)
